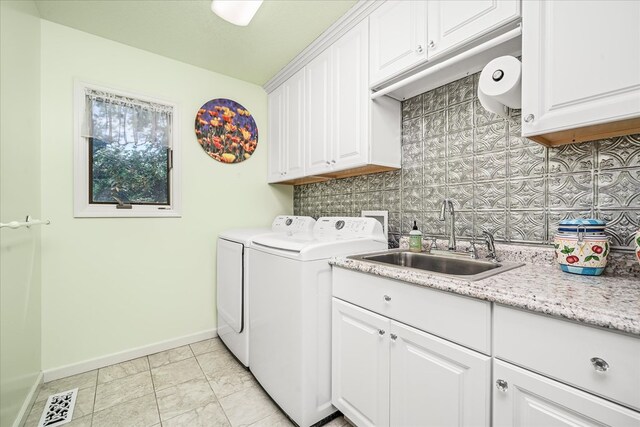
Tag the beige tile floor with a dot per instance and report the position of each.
(197, 385)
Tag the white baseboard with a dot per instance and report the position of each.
(123, 356)
(21, 418)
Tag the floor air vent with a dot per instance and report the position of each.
(59, 409)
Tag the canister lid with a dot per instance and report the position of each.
(580, 221)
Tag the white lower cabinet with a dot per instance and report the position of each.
(435, 382)
(360, 360)
(525, 399)
(386, 373)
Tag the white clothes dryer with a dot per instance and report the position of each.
(232, 285)
(290, 322)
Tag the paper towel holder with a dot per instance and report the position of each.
(504, 70)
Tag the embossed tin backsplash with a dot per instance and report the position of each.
(501, 182)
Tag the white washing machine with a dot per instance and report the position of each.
(232, 287)
(290, 299)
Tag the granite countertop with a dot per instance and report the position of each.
(606, 301)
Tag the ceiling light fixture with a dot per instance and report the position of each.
(238, 12)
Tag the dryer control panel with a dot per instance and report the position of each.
(338, 228)
(292, 224)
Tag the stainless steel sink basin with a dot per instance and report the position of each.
(443, 263)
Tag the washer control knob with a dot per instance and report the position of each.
(339, 225)
(289, 221)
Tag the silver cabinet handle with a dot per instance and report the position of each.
(600, 365)
(529, 118)
(380, 332)
(502, 385)
(393, 337)
(328, 162)
(419, 48)
(387, 298)
(432, 44)
(333, 161)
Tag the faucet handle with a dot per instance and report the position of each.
(491, 247)
(433, 244)
(473, 251)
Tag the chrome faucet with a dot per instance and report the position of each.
(447, 206)
(491, 246)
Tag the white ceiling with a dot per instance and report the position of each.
(187, 30)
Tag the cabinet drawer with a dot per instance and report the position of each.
(527, 399)
(564, 350)
(453, 317)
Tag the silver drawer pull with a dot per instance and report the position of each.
(380, 332)
(393, 337)
(502, 385)
(387, 298)
(600, 365)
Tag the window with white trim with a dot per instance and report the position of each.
(126, 154)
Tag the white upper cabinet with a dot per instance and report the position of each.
(317, 113)
(398, 31)
(277, 140)
(286, 126)
(344, 128)
(581, 67)
(294, 126)
(454, 23)
(405, 34)
(350, 103)
(336, 110)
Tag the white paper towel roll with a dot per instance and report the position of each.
(500, 85)
(491, 104)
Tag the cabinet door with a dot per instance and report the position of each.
(350, 104)
(435, 382)
(294, 126)
(277, 140)
(453, 23)
(318, 102)
(526, 399)
(579, 69)
(398, 32)
(360, 364)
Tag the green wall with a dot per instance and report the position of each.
(110, 285)
(19, 195)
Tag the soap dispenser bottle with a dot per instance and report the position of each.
(415, 239)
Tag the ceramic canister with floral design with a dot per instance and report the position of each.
(582, 255)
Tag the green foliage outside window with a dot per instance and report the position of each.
(129, 154)
(132, 173)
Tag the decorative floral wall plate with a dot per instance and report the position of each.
(226, 131)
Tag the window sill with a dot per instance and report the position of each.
(110, 211)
